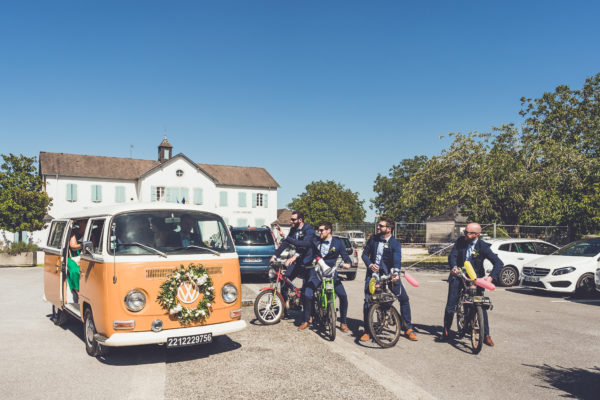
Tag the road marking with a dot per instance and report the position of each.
(402, 387)
(574, 301)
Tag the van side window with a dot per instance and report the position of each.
(56, 233)
(95, 235)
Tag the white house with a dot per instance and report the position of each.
(241, 195)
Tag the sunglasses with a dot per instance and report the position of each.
(293, 219)
(322, 230)
(471, 233)
(381, 226)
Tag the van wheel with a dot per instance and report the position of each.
(59, 317)
(509, 276)
(585, 286)
(92, 346)
(351, 276)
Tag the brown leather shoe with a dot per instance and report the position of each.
(303, 326)
(488, 340)
(344, 327)
(411, 335)
(365, 337)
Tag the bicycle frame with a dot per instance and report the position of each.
(327, 290)
(279, 280)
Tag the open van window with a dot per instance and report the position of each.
(168, 232)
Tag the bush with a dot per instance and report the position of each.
(19, 247)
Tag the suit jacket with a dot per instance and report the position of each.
(304, 244)
(336, 249)
(390, 259)
(482, 251)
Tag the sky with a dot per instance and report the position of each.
(309, 90)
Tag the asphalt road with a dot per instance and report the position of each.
(547, 347)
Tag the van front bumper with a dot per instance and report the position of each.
(139, 338)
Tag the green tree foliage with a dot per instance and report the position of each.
(546, 173)
(23, 203)
(329, 201)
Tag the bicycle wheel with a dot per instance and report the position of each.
(384, 324)
(330, 321)
(477, 332)
(461, 312)
(268, 307)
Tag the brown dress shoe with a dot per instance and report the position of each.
(488, 340)
(365, 337)
(303, 326)
(411, 335)
(344, 327)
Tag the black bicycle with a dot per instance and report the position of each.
(469, 313)
(384, 320)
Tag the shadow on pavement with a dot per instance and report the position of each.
(579, 383)
(593, 299)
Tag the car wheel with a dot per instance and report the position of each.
(585, 286)
(509, 276)
(351, 276)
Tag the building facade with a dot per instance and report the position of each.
(243, 196)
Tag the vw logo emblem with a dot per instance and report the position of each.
(532, 271)
(188, 292)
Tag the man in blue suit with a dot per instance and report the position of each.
(329, 248)
(302, 235)
(382, 256)
(469, 248)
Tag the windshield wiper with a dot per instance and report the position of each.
(193, 246)
(143, 246)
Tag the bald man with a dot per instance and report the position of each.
(469, 248)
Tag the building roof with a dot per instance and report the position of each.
(88, 166)
(283, 217)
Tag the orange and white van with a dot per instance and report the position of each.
(128, 252)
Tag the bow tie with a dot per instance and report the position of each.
(383, 240)
(325, 242)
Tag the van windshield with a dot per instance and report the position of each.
(169, 232)
(252, 238)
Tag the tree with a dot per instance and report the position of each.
(23, 203)
(329, 201)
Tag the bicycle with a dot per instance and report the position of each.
(269, 305)
(469, 312)
(384, 320)
(325, 311)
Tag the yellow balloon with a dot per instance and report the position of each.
(470, 271)
(372, 283)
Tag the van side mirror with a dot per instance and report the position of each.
(86, 247)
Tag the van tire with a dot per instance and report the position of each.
(59, 317)
(92, 346)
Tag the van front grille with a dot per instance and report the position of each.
(161, 273)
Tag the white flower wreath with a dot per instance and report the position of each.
(196, 275)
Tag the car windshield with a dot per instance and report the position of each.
(169, 232)
(252, 237)
(346, 242)
(581, 248)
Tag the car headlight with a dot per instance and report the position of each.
(135, 300)
(564, 270)
(229, 293)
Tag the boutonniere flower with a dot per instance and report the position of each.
(332, 249)
(475, 253)
(386, 246)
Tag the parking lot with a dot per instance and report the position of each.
(547, 346)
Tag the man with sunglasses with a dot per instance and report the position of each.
(303, 236)
(383, 256)
(469, 248)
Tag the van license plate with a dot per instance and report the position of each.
(252, 259)
(189, 340)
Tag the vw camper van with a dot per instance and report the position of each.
(145, 274)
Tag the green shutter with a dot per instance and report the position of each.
(266, 200)
(120, 194)
(223, 199)
(197, 196)
(184, 194)
(253, 200)
(71, 192)
(96, 193)
(242, 199)
(153, 193)
(172, 193)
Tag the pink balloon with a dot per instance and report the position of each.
(409, 278)
(485, 284)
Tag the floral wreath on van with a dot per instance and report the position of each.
(198, 277)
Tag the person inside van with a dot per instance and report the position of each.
(189, 231)
(73, 260)
(163, 234)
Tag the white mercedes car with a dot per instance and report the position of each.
(570, 270)
(514, 253)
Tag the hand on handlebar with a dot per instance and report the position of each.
(455, 271)
(345, 265)
(488, 278)
(374, 267)
(395, 277)
(290, 261)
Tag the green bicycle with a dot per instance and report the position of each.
(325, 311)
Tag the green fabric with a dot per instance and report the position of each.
(73, 274)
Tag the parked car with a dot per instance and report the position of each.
(255, 247)
(571, 269)
(357, 238)
(353, 253)
(597, 279)
(514, 253)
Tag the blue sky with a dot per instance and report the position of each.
(309, 90)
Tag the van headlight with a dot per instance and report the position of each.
(135, 300)
(229, 293)
(562, 271)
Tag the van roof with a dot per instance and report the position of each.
(121, 208)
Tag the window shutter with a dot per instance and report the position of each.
(223, 199)
(120, 194)
(253, 200)
(69, 198)
(171, 197)
(16, 237)
(153, 193)
(266, 200)
(96, 193)
(197, 196)
(184, 195)
(242, 199)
